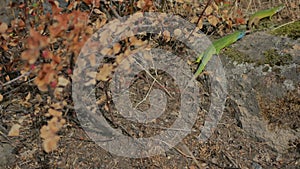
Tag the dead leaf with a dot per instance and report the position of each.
(54, 113)
(296, 47)
(15, 130)
(136, 42)
(140, 4)
(50, 144)
(1, 97)
(3, 27)
(105, 72)
(63, 81)
(240, 21)
(167, 35)
(200, 24)
(30, 55)
(208, 10)
(213, 20)
(293, 5)
(116, 48)
(57, 106)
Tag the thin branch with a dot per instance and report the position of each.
(17, 78)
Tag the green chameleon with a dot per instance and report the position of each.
(256, 17)
(216, 47)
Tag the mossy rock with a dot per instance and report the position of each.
(273, 57)
(291, 30)
(236, 55)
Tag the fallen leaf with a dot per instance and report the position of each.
(1, 97)
(63, 81)
(15, 130)
(3, 27)
(213, 20)
(105, 71)
(200, 24)
(296, 47)
(240, 20)
(208, 10)
(31, 55)
(167, 35)
(54, 113)
(92, 59)
(116, 48)
(50, 144)
(140, 4)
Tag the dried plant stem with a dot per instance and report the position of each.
(17, 78)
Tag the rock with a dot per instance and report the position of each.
(6, 155)
(267, 101)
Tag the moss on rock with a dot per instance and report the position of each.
(291, 30)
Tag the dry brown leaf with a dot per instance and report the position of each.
(208, 10)
(167, 35)
(54, 113)
(293, 5)
(116, 48)
(120, 58)
(213, 20)
(99, 23)
(31, 55)
(140, 4)
(15, 130)
(50, 144)
(105, 72)
(101, 100)
(296, 47)
(92, 59)
(136, 42)
(215, 6)
(200, 24)
(63, 81)
(106, 51)
(1, 97)
(3, 27)
(45, 132)
(57, 105)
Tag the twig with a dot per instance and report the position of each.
(283, 25)
(145, 98)
(249, 4)
(15, 79)
(207, 4)
(114, 11)
(185, 148)
(154, 79)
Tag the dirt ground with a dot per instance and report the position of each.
(259, 127)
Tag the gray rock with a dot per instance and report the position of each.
(6, 155)
(247, 82)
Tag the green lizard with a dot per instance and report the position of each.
(256, 17)
(216, 47)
